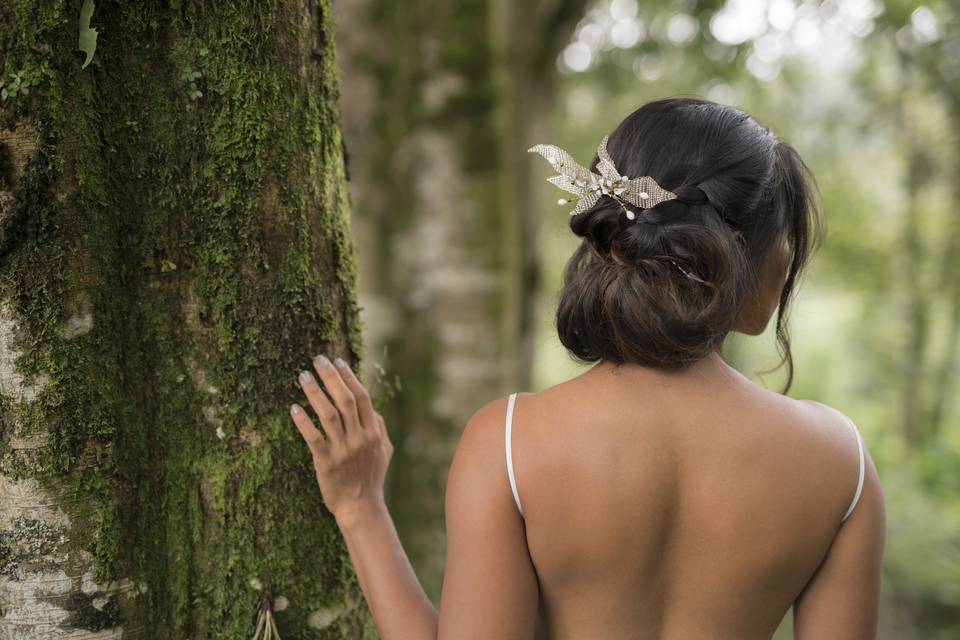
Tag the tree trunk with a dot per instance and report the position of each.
(916, 308)
(174, 247)
(441, 102)
(945, 377)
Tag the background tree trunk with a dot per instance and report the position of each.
(174, 246)
(440, 104)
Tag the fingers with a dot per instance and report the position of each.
(360, 394)
(342, 396)
(384, 437)
(326, 411)
(310, 433)
(345, 415)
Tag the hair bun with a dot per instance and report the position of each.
(662, 286)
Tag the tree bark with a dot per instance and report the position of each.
(174, 247)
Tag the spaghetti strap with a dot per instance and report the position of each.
(509, 448)
(856, 495)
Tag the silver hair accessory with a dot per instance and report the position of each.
(642, 192)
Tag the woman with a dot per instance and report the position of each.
(660, 494)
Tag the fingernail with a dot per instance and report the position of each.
(340, 362)
(321, 361)
(305, 376)
(295, 408)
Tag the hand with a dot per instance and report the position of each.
(351, 461)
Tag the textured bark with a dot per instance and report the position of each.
(441, 102)
(168, 263)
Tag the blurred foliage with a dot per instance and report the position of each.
(869, 93)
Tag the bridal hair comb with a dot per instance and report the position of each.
(642, 192)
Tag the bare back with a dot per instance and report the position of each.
(662, 505)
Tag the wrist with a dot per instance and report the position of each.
(361, 513)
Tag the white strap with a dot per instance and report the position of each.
(507, 432)
(856, 496)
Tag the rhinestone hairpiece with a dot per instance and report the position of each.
(642, 192)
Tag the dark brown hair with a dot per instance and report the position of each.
(626, 296)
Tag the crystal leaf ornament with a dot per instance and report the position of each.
(642, 192)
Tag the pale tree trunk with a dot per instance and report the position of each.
(915, 310)
(527, 37)
(440, 103)
(174, 246)
(946, 374)
(916, 362)
(927, 266)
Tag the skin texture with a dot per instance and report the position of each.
(670, 505)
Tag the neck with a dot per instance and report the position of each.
(709, 368)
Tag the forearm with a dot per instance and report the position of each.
(400, 607)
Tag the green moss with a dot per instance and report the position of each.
(241, 190)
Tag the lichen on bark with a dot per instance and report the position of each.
(168, 263)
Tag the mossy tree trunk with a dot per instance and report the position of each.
(441, 102)
(174, 246)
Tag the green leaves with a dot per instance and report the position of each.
(88, 36)
(17, 85)
(187, 74)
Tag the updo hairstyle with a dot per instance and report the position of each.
(626, 295)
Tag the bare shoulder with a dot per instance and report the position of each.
(489, 584)
(844, 437)
(841, 599)
(482, 440)
(481, 449)
(483, 434)
(485, 425)
(831, 425)
(824, 411)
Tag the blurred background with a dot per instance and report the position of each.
(461, 243)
